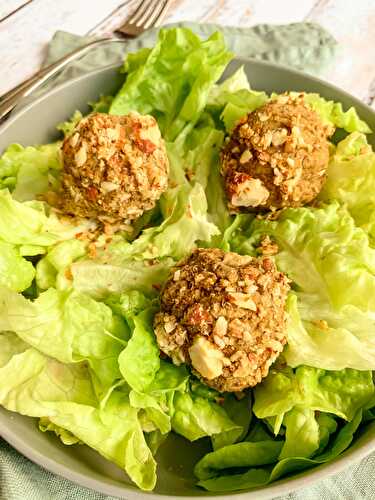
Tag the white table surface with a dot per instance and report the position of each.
(26, 27)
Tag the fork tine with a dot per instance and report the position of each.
(162, 14)
(144, 9)
(155, 16)
(148, 13)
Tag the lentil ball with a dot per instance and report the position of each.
(114, 167)
(276, 156)
(224, 314)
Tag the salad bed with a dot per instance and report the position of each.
(77, 347)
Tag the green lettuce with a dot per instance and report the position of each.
(39, 386)
(129, 304)
(239, 104)
(232, 99)
(102, 105)
(157, 399)
(351, 178)
(68, 126)
(15, 272)
(195, 417)
(340, 393)
(335, 341)
(139, 361)
(332, 266)
(185, 223)
(306, 399)
(234, 83)
(240, 412)
(69, 327)
(53, 270)
(332, 113)
(45, 425)
(302, 436)
(28, 223)
(63, 254)
(327, 426)
(99, 279)
(173, 80)
(322, 251)
(195, 155)
(30, 171)
(244, 454)
(257, 477)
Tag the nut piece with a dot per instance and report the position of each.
(221, 327)
(246, 156)
(249, 192)
(279, 136)
(243, 300)
(206, 358)
(268, 247)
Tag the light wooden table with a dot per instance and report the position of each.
(26, 27)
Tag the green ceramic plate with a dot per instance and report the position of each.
(35, 123)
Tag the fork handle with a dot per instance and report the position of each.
(13, 97)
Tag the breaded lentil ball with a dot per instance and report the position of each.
(224, 314)
(114, 167)
(276, 156)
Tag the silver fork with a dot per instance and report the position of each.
(148, 14)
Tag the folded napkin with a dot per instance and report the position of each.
(303, 46)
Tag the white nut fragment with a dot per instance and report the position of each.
(107, 186)
(206, 358)
(74, 140)
(236, 260)
(81, 156)
(178, 357)
(282, 99)
(176, 275)
(226, 362)
(244, 367)
(263, 117)
(151, 134)
(113, 133)
(250, 193)
(267, 139)
(219, 341)
(221, 327)
(170, 343)
(296, 133)
(162, 338)
(246, 156)
(237, 355)
(279, 136)
(169, 326)
(243, 300)
(247, 337)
